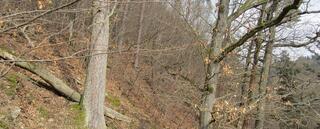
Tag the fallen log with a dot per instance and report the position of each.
(55, 82)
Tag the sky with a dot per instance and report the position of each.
(308, 23)
(313, 18)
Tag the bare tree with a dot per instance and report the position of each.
(217, 53)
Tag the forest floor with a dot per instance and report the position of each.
(26, 104)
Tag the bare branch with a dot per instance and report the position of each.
(243, 39)
(39, 16)
(295, 45)
(309, 12)
(246, 6)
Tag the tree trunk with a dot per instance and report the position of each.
(249, 122)
(266, 69)
(243, 86)
(264, 80)
(123, 26)
(213, 67)
(136, 62)
(94, 94)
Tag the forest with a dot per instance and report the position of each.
(159, 64)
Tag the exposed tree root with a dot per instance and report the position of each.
(56, 83)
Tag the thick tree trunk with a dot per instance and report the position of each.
(213, 67)
(209, 97)
(94, 94)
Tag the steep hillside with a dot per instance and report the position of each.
(155, 96)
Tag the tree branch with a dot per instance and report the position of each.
(292, 44)
(246, 6)
(243, 39)
(309, 12)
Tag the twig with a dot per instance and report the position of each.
(39, 16)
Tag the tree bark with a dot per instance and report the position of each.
(213, 68)
(94, 94)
